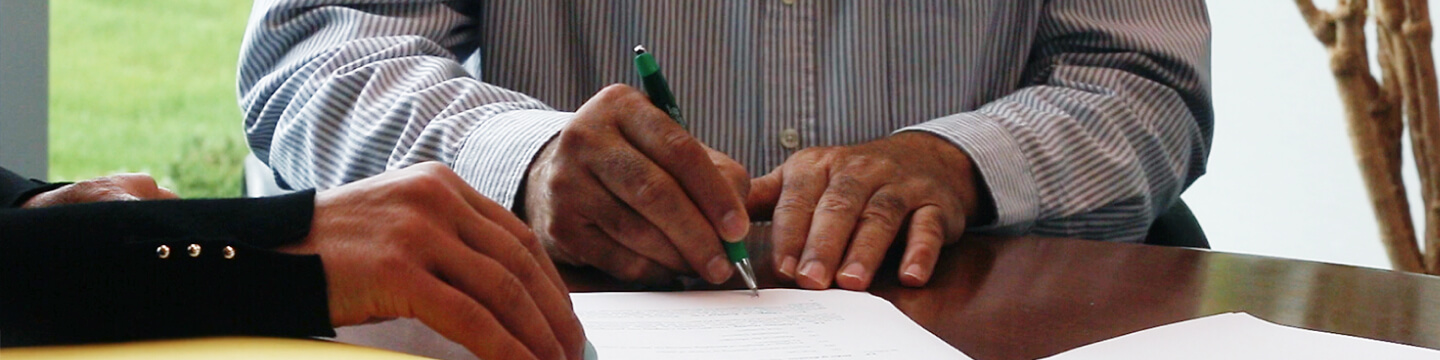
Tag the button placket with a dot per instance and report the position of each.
(789, 71)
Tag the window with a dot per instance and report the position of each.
(147, 86)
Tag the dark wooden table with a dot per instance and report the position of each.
(1026, 298)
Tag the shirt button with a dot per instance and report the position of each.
(790, 139)
(788, 2)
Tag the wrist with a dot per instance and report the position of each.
(532, 180)
(27, 198)
(967, 181)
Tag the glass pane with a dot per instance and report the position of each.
(147, 86)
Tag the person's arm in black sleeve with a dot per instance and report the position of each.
(96, 272)
(15, 189)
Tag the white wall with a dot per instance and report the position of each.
(1282, 179)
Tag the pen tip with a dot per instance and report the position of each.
(639, 49)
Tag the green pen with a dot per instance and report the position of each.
(659, 91)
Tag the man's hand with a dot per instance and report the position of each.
(625, 189)
(420, 243)
(121, 187)
(826, 200)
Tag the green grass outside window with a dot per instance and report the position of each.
(147, 86)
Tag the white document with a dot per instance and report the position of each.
(1241, 336)
(732, 325)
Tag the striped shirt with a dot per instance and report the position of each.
(1084, 118)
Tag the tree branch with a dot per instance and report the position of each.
(1373, 116)
(1321, 23)
(1425, 128)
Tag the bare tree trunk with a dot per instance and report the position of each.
(1372, 113)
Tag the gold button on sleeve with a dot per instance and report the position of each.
(194, 250)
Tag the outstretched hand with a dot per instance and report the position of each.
(420, 243)
(836, 210)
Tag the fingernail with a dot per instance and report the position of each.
(814, 271)
(854, 271)
(914, 272)
(719, 269)
(734, 227)
(787, 267)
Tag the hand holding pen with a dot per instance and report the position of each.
(627, 190)
(659, 90)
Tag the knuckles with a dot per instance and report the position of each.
(835, 204)
(928, 228)
(648, 189)
(681, 142)
(887, 202)
(576, 137)
(420, 188)
(565, 178)
(794, 204)
(95, 187)
(511, 290)
(617, 93)
(143, 180)
(432, 168)
(885, 210)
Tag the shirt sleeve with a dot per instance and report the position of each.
(98, 272)
(1113, 121)
(335, 91)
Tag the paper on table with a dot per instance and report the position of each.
(1241, 336)
(730, 325)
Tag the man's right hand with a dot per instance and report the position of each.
(625, 189)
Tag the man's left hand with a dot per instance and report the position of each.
(851, 202)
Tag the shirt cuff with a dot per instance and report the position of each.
(496, 154)
(996, 154)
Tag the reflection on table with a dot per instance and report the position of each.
(1025, 298)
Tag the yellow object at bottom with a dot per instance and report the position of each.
(207, 348)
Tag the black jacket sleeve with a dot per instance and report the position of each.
(15, 190)
(95, 272)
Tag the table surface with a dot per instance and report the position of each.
(1026, 298)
